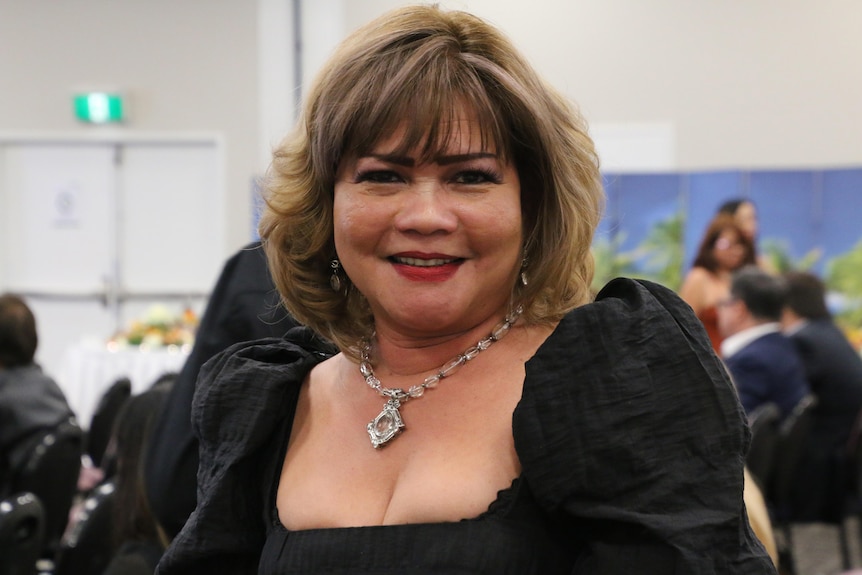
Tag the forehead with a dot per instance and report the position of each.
(746, 209)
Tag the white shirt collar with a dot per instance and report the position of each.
(737, 341)
(796, 327)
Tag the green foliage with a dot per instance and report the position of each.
(662, 251)
(610, 261)
(658, 258)
(844, 275)
(777, 254)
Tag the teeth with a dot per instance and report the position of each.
(423, 263)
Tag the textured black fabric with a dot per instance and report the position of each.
(629, 433)
(244, 306)
(135, 558)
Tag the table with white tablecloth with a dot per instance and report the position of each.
(88, 370)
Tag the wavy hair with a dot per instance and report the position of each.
(417, 67)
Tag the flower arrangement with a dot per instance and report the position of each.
(159, 328)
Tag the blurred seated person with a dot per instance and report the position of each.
(432, 217)
(138, 539)
(30, 401)
(243, 306)
(744, 212)
(834, 371)
(763, 363)
(723, 249)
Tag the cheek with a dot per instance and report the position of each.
(348, 221)
(345, 235)
(502, 220)
(497, 231)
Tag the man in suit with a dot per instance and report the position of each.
(763, 363)
(243, 306)
(30, 401)
(834, 372)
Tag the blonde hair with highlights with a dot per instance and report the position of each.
(417, 67)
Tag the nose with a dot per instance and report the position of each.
(428, 209)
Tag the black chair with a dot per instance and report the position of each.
(760, 459)
(792, 442)
(848, 463)
(51, 473)
(88, 546)
(22, 524)
(102, 422)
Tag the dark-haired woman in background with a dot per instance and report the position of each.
(140, 541)
(723, 249)
(744, 213)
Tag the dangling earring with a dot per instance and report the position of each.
(334, 279)
(524, 281)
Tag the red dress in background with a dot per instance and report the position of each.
(709, 318)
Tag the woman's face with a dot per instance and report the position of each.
(746, 219)
(729, 250)
(435, 247)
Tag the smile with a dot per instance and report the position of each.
(424, 263)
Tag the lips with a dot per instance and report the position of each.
(423, 263)
(427, 268)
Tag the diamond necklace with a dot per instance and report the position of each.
(388, 424)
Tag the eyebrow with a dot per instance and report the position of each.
(440, 160)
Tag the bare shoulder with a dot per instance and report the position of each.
(698, 275)
(695, 286)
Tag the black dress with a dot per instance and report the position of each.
(629, 434)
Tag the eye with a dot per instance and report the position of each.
(379, 177)
(472, 177)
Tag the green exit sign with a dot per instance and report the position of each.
(99, 107)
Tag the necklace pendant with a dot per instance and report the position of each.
(387, 425)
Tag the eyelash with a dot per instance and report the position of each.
(391, 176)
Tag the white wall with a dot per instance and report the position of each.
(188, 65)
(771, 83)
(765, 83)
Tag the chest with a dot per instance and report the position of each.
(455, 454)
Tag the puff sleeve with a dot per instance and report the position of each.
(246, 395)
(630, 428)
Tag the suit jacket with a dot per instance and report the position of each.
(243, 306)
(768, 369)
(834, 372)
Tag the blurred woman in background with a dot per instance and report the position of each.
(744, 213)
(724, 248)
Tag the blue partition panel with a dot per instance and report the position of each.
(787, 208)
(841, 231)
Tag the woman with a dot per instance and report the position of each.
(432, 216)
(723, 250)
(138, 538)
(744, 213)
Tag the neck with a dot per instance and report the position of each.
(397, 354)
